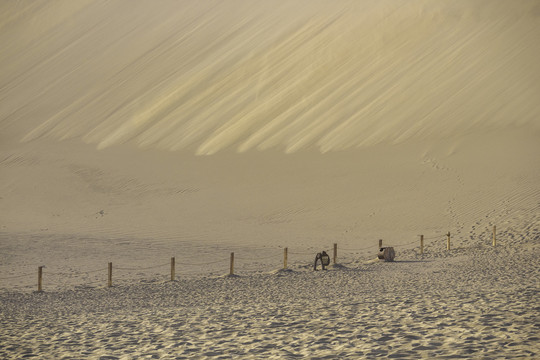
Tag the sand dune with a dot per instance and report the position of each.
(320, 122)
(273, 75)
(452, 87)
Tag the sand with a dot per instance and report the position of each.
(479, 303)
(131, 133)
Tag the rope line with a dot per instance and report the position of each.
(94, 271)
(434, 237)
(145, 268)
(267, 257)
(79, 273)
(302, 253)
(16, 277)
(411, 243)
(58, 274)
(252, 267)
(357, 249)
(255, 261)
(93, 282)
(440, 235)
(314, 252)
(205, 263)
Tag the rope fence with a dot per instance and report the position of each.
(251, 264)
(204, 263)
(434, 237)
(144, 268)
(16, 277)
(358, 249)
(408, 244)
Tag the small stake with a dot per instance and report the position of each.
(494, 235)
(40, 279)
(285, 256)
(335, 253)
(109, 282)
(421, 244)
(172, 268)
(232, 264)
(380, 243)
(448, 241)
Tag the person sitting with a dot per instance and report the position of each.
(324, 258)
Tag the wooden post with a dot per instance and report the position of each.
(335, 253)
(380, 243)
(40, 279)
(109, 282)
(448, 241)
(232, 264)
(285, 256)
(494, 235)
(172, 268)
(421, 244)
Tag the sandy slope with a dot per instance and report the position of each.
(434, 104)
(212, 75)
(327, 122)
(255, 199)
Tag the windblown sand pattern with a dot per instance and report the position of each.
(132, 132)
(212, 75)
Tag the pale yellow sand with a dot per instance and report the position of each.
(131, 133)
(479, 303)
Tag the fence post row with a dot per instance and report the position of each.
(285, 259)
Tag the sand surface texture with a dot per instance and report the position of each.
(479, 303)
(131, 133)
